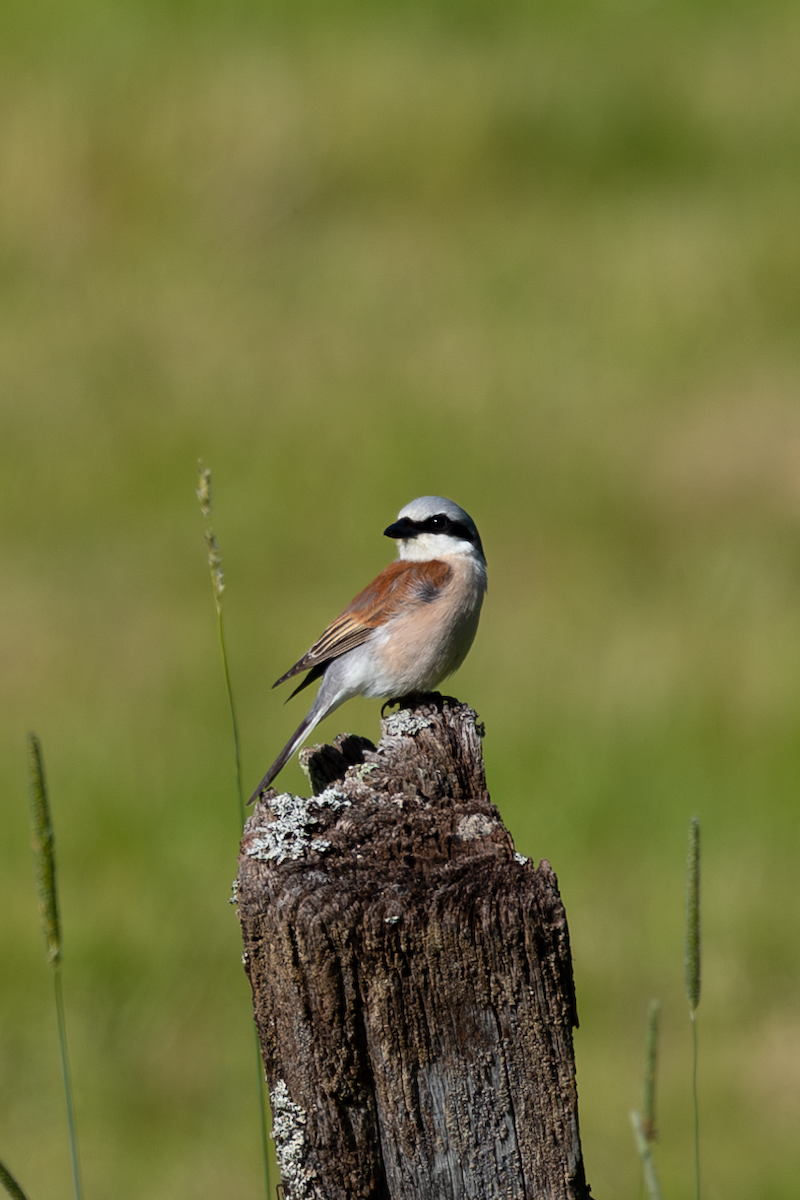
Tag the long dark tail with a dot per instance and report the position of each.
(296, 740)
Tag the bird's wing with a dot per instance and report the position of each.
(400, 585)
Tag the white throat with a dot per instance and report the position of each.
(429, 546)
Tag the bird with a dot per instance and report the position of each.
(408, 629)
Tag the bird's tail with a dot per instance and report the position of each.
(296, 740)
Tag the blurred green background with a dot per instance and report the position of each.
(543, 258)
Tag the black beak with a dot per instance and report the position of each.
(401, 529)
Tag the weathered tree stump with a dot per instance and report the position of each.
(411, 977)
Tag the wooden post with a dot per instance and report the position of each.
(411, 977)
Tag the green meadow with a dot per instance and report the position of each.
(541, 258)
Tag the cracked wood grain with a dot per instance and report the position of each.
(411, 977)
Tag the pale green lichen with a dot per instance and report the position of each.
(296, 824)
(291, 1144)
(405, 723)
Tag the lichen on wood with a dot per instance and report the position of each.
(411, 975)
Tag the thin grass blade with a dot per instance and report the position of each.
(10, 1184)
(650, 1073)
(218, 586)
(644, 1147)
(44, 848)
(692, 963)
(644, 1123)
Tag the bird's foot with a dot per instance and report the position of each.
(408, 700)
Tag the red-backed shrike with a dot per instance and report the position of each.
(409, 629)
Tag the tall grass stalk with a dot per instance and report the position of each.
(44, 852)
(644, 1122)
(692, 966)
(218, 586)
(10, 1184)
(650, 1071)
